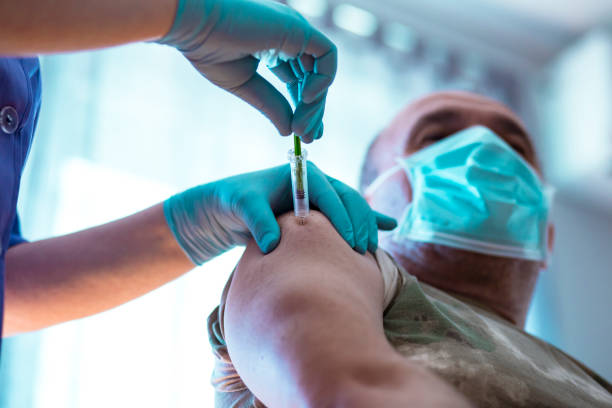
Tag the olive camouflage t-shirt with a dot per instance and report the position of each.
(490, 361)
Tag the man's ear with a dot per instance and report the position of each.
(550, 244)
(550, 231)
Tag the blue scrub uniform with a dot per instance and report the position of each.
(19, 108)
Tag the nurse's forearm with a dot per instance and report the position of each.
(84, 273)
(46, 26)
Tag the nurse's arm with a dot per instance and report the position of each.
(45, 26)
(304, 327)
(76, 275)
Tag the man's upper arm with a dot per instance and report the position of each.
(311, 262)
(312, 296)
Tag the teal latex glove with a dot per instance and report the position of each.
(224, 38)
(210, 219)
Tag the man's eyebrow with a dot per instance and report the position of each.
(451, 117)
(444, 116)
(510, 126)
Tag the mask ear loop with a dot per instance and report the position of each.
(375, 185)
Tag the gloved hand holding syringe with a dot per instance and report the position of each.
(302, 75)
(298, 159)
(295, 74)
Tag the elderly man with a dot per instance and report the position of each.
(435, 317)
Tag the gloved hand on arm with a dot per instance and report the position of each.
(210, 219)
(223, 39)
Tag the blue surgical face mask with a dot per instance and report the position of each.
(472, 191)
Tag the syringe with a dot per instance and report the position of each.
(299, 180)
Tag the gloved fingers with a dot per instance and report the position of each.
(284, 72)
(256, 213)
(317, 67)
(322, 74)
(306, 62)
(264, 97)
(302, 66)
(319, 134)
(324, 196)
(385, 222)
(294, 91)
(297, 69)
(373, 232)
(319, 45)
(308, 119)
(359, 213)
(229, 74)
(314, 86)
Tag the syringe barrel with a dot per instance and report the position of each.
(299, 183)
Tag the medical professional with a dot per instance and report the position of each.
(68, 277)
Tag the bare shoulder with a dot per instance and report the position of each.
(307, 253)
(304, 323)
(316, 236)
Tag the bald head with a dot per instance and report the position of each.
(505, 284)
(437, 116)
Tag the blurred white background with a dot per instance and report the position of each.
(122, 129)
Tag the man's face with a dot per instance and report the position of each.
(421, 124)
(428, 120)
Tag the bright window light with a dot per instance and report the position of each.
(311, 8)
(92, 194)
(355, 20)
(76, 357)
(399, 37)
